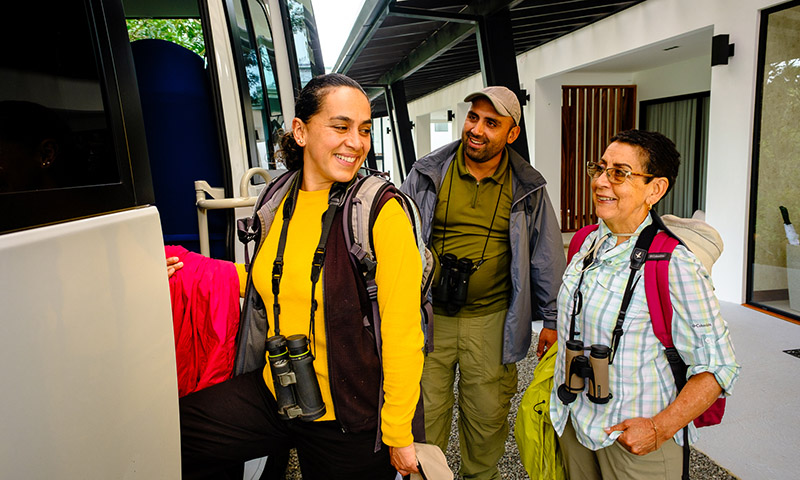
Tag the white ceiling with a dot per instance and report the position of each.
(690, 45)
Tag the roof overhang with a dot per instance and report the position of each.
(430, 44)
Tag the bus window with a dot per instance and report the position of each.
(54, 131)
(68, 128)
(306, 40)
(186, 32)
(265, 122)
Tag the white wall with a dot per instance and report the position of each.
(732, 101)
(446, 98)
(422, 133)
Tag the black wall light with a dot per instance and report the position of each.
(721, 49)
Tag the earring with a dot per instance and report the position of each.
(302, 143)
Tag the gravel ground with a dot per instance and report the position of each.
(701, 468)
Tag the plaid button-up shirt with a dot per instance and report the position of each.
(640, 379)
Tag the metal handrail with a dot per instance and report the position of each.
(218, 202)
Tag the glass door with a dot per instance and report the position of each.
(774, 253)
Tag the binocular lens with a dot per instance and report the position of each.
(297, 345)
(276, 345)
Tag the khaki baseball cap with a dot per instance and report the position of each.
(504, 101)
(432, 463)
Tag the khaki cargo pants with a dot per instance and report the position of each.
(485, 388)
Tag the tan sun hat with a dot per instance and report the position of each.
(504, 101)
(432, 463)
(701, 238)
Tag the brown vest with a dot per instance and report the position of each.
(353, 363)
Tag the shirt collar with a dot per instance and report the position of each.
(609, 251)
(497, 177)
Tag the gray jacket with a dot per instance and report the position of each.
(537, 249)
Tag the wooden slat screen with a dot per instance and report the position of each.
(590, 116)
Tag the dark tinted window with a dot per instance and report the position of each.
(53, 127)
(71, 139)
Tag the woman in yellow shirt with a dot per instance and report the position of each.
(239, 419)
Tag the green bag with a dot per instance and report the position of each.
(536, 439)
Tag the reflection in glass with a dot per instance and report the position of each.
(306, 37)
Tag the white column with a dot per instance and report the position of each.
(422, 133)
(458, 123)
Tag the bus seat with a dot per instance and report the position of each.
(182, 139)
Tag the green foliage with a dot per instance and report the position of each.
(187, 32)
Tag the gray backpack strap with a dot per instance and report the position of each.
(359, 218)
(251, 337)
(361, 209)
(250, 228)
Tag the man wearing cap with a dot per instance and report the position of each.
(480, 200)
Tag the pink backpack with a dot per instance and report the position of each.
(656, 285)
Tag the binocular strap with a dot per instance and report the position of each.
(335, 200)
(453, 167)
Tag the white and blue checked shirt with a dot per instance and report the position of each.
(640, 379)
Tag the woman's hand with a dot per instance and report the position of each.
(173, 265)
(547, 338)
(640, 435)
(404, 459)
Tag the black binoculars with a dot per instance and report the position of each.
(578, 368)
(296, 387)
(451, 292)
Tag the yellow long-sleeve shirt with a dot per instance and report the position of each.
(398, 276)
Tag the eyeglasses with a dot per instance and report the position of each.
(615, 175)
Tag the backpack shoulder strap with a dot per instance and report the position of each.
(364, 201)
(249, 228)
(656, 285)
(578, 239)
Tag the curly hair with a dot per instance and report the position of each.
(308, 104)
(660, 156)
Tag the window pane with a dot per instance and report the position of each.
(268, 116)
(258, 54)
(54, 130)
(306, 37)
(776, 264)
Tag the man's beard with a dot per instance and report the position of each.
(484, 155)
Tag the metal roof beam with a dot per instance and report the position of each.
(444, 39)
(369, 20)
(424, 14)
(459, 26)
(449, 35)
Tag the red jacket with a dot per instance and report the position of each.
(205, 316)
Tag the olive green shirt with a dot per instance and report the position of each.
(480, 210)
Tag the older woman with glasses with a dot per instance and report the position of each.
(631, 428)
